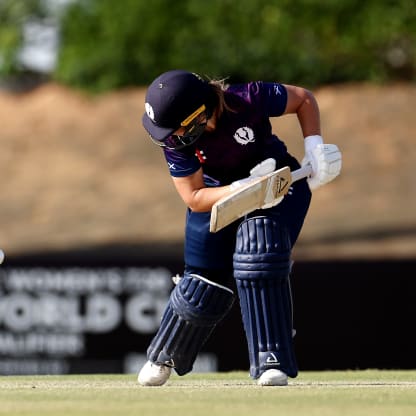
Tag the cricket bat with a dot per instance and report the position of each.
(253, 195)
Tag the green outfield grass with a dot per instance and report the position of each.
(335, 393)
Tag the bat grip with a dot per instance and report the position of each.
(302, 172)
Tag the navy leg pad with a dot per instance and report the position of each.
(195, 307)
(261, 270)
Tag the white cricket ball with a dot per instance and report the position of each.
(1, 256)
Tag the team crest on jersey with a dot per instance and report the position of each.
(244, 135)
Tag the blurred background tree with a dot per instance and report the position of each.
(106, 44)
(13, 15)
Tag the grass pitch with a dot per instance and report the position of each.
(349, 393)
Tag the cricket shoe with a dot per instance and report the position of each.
(153, 374)
(272, 377)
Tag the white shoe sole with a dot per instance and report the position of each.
(272, 377)
(153, 374)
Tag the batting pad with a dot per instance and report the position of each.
(195, 307)
(261, 269)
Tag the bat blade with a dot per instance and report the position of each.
(252, 196)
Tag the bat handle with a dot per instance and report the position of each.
(302, 172)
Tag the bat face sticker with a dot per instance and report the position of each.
(280, 185)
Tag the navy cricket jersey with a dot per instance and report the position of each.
(241, 139)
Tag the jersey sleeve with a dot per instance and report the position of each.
(272, 97)
(181, 163)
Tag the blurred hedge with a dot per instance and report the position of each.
(108, 44)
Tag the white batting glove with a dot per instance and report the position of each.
(325, 159)
(261, 169)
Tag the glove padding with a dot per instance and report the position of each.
(325, 159)
(261, 169)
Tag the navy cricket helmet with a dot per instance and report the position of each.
(178, 99)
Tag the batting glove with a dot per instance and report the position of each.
(325, 159)
(261, 169)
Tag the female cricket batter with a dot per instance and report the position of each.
(216, 138)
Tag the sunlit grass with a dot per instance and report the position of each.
(213, 394)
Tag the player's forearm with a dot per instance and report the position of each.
(303, 103)
(195, 194)
(202, 200)
(308, 116)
